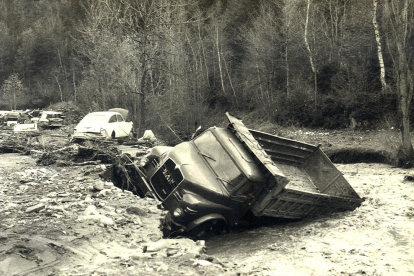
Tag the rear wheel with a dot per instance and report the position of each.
(113, 135)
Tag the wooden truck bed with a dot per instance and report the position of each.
(306, 182)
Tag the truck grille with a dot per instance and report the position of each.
(178, 195)
(166, 179)
(155, 162)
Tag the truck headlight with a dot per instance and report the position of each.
(177, 212)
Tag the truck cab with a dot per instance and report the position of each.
(206, 183)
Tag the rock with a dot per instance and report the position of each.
(155, 246)
(52, 194)
(91, 210)
(136, 211)
(35, 208)
(106, 221)
(202, 263)
(88, 199)
(98, 218)
(137, 221)
(11, 205)
(59, 208)
(104, 193)
(98, 186)
(174, 247)
(109, 209)
(172, 252)
(138, 255)
(201, 243)
(65, 199)
(162, 267)
(45, 199)
(108, 185)
(100, 204)
(153, 210)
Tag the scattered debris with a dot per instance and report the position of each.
(25, 127)
(51, 119)
(35, 208)
(148, 139)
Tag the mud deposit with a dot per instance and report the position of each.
(67, 221)
(375, 239)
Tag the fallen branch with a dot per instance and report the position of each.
(63, 163)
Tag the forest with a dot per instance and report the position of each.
(178, 64)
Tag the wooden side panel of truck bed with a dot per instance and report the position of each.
(308, 182)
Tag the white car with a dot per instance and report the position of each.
(109, 124)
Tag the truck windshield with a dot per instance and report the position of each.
(221, 163)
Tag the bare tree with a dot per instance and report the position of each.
(398, 15)
(311, 55)
(379, 48)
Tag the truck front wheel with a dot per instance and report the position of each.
(208, 228)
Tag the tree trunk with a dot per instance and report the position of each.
(14, 98)
(142, 100)
(219, 60)
(405, 93)
(60, 89)
(306, 37)
(398, 19)
(287, 55)
(74, 86)
(379, 49)
(311, 59)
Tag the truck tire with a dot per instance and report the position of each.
(208, 229)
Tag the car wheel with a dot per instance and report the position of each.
(113, 135)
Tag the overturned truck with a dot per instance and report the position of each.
(210, 182)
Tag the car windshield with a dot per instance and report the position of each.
(94, 118)
(219, 160)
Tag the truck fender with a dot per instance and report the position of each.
(204, 219)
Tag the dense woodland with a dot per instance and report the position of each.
(313, 63)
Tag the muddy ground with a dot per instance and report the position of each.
(68, 221)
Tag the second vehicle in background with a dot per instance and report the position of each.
(50, 119)
(106, 124)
